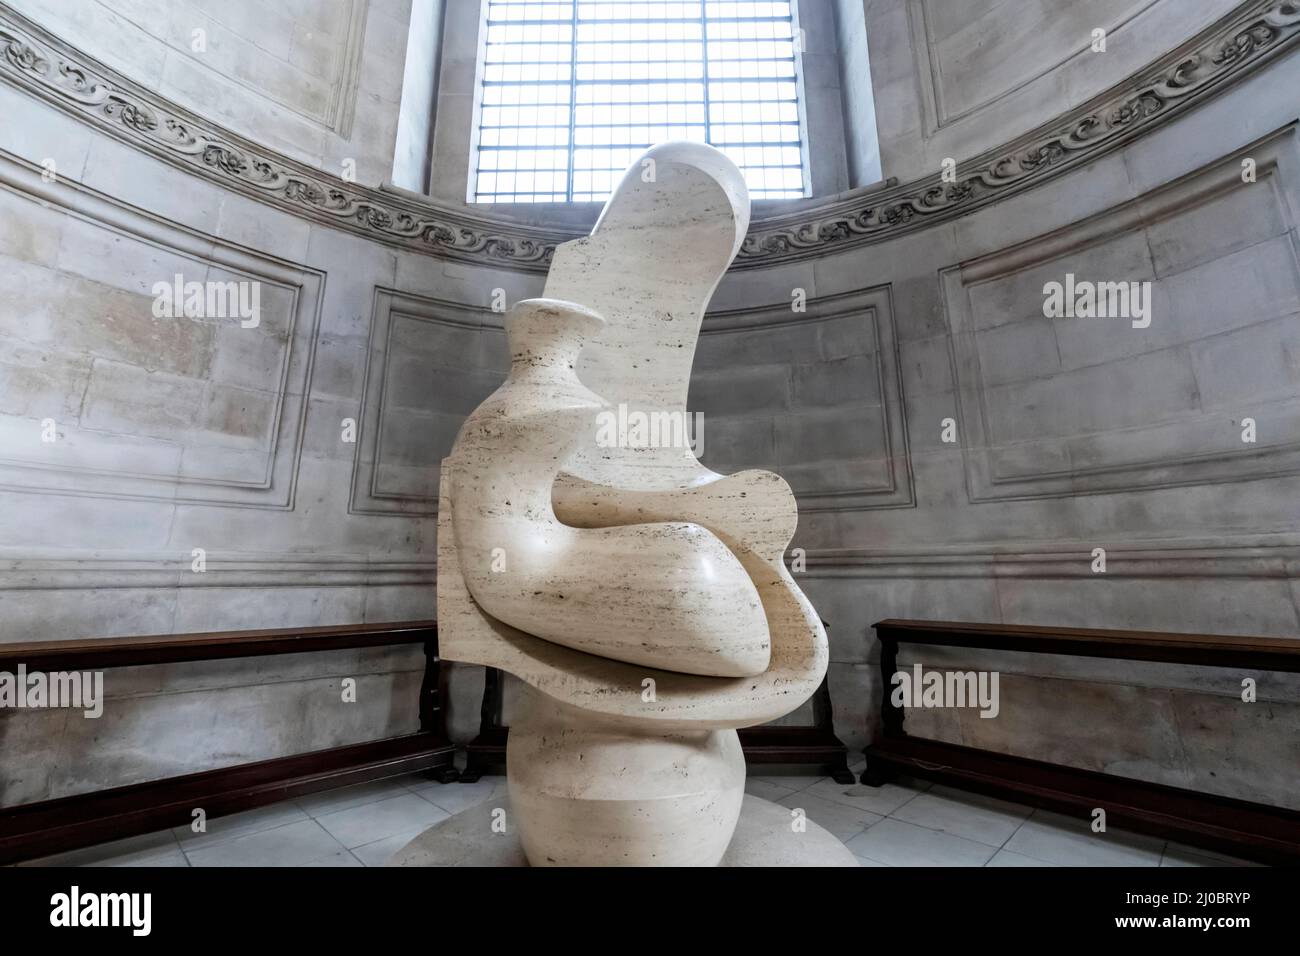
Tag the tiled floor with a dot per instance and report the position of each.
(904, 824)
(356, 826)
(914, 824)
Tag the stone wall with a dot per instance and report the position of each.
(172, 434)
(413, 151)
(953, 78)
(319, 80)
(176, 434)
(857, 97)
(1069, 434)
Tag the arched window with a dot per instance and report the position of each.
(572, 90)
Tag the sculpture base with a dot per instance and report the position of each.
(764, 837)
(588, 792)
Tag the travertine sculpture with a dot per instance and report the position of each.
(640, 597)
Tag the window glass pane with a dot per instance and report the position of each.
(573, 90)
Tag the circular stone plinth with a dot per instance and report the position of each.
(764, 837)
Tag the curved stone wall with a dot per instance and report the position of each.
(842, 353)
(949, 83)
(319, 80)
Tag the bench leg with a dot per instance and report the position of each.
(839, 770)
(877, 774)
(444, 774)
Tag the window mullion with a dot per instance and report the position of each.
(704, 66)
(573, 95)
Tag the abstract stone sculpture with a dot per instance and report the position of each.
(641, 598)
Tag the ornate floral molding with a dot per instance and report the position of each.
(1254, 33)
(36, 61)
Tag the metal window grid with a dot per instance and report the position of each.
(573, 90)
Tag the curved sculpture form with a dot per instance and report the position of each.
(670, 594)
(642, 598)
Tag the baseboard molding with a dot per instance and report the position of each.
(1237, 827)
(52, 826)
(1254, 557)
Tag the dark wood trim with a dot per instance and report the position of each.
(486, 753)
(814, 746)
(93, 653)
(797, 746)
(1218, 650)
(1240, 827)
(1237, 827)
(50, 826)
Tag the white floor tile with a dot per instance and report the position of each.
(904, 844)
(148, 849)
(222, 829)
(366, 824)
(975, 817)
(882, 800)
(329, 801)
(841, 820)
(1067, 841)
(378, 852)
(369, 822)
(167, 858)
(290, 845)
(1008, 858)
(795, 782)
(341, 858)
(455, 797)
(765, 790)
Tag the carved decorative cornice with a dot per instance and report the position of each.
(1254, 33)
(35, 61)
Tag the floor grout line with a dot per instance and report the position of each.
(905, 803)
(177, 841)
(240, 836)
(1161, 855)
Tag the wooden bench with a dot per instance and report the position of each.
(1240, 827)
(811, 746)
(49, 826)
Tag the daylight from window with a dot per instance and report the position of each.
(573, 91)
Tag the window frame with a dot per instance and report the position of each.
(569, 172)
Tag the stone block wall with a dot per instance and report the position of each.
(319, 80)
(1071, 434)
(953, 78)
(250, 444)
